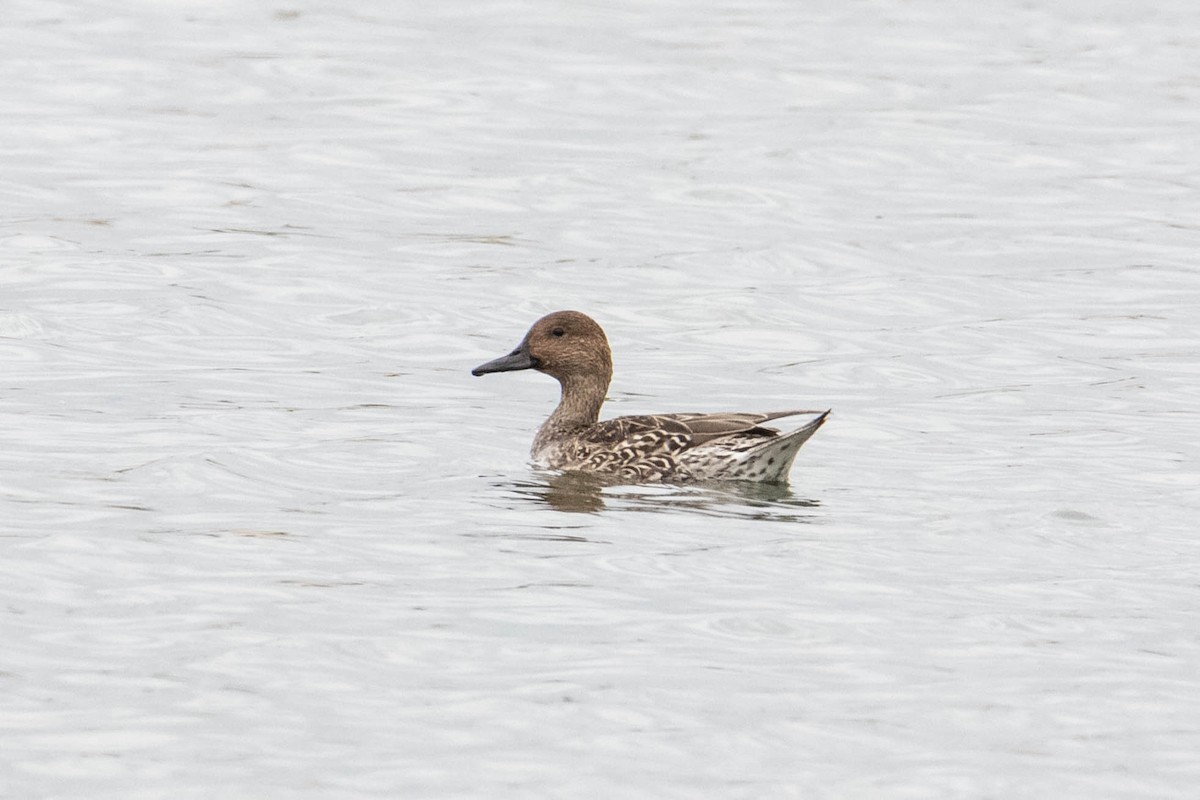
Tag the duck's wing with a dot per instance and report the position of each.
(706, 427)
(664, 446)
(676, 432)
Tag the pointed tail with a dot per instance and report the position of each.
(776, 455)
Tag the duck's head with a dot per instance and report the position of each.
(566, 344)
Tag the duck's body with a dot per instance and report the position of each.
(678, 447)
(571, 347)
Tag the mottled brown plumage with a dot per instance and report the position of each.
(572, 348)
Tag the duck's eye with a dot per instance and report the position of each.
(558, 332)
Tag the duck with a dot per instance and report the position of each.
(572, 348)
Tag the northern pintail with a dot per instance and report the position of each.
(572, 348)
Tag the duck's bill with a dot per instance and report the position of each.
(517, 359)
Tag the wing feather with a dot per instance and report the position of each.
(697, 429)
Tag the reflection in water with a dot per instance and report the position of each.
(578, 492)
(575, 492)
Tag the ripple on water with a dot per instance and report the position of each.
(262, 528)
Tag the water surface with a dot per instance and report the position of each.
(264, 536)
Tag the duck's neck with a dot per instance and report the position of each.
(579, 407)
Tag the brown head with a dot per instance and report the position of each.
(567, 345)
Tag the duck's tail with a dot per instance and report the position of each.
(772, 460)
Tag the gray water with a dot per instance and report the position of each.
(262, 535)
